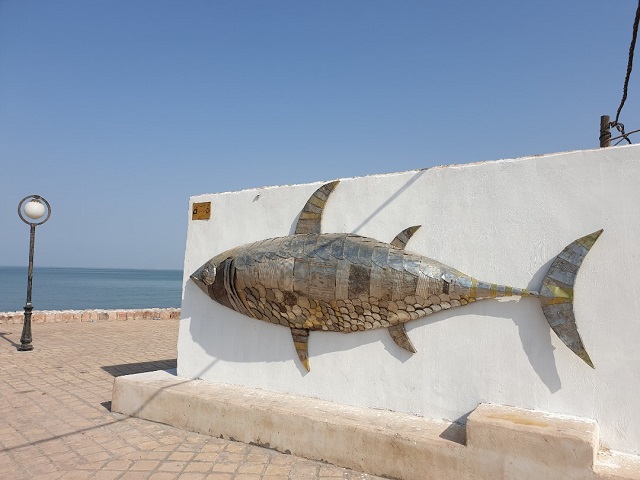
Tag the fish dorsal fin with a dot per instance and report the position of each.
(301, 342)
(399, 335)
(403, 237)
(311, 215)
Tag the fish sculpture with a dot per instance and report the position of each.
(342, 282)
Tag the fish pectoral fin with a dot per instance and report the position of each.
(399, 335)
(301, 342)
(403, 237)
(311, 215)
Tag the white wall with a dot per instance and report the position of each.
(501, 221)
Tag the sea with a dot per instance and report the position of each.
(90, 288)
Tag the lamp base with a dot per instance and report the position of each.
(25, 339)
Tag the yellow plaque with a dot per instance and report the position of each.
(201, 211)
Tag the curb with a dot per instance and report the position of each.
(75, 316)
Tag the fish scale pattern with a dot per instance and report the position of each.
(325, 282)
(350, 315)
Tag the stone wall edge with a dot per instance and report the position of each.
(90, 315)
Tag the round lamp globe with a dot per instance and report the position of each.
(34, 209)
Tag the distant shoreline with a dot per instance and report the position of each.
(80, 288)
(37, 267)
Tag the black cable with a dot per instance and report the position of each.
(623, 137)
(620, 127)
(629, 68)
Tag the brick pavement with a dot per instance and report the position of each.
(55, 421)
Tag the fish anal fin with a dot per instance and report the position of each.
(311, 215)
(403, 237)
(301, 342)
(399, 335)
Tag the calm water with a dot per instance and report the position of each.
(88, 288)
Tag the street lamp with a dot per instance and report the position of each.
(34, 207)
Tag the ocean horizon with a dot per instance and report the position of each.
(62, 288)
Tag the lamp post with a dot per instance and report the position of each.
(34, 207)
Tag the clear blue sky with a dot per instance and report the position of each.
(118, 111)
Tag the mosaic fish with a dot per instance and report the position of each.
(341, 282)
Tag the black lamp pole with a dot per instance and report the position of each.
(26, 206)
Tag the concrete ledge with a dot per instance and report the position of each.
(69, 316)
(502, 442)
(617, 466)
(529, 441)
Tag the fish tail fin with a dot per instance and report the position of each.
(556, 294)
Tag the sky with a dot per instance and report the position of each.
(118, 111)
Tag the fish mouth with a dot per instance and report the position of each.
(204, 276)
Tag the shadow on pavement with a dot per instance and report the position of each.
(3, 335)
(141, 367)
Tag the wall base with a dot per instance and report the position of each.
(499, 442)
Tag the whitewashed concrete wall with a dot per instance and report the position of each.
(501, 221)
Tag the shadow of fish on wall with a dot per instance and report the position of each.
(341, 282)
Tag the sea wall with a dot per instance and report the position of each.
(68, 316)
(502, 221)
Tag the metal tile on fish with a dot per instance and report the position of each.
(380, 256)
(285, 274)
(365, 252)
(396, 260)
(337, 246)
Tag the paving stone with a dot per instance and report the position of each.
(219, 476)
(56, 423)
(163, 476)
(201, 467)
